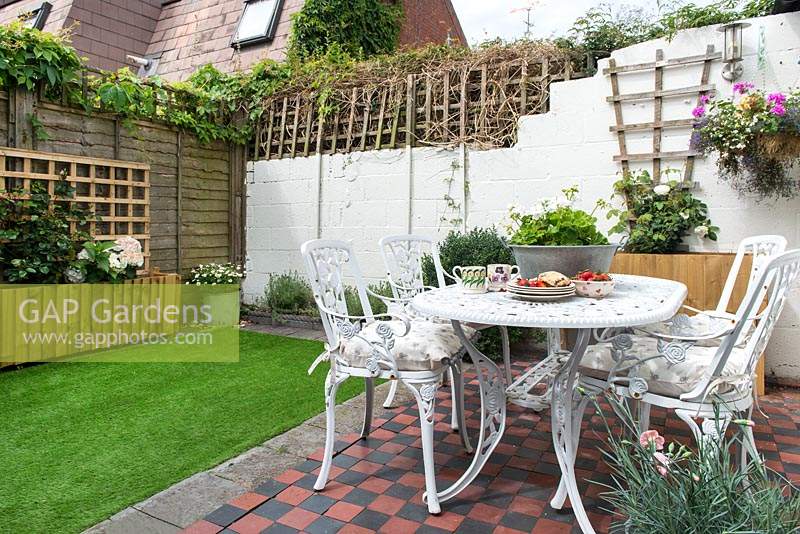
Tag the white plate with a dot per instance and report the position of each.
(540, 290)
(539, 298)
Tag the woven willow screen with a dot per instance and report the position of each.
(116, 192)
(477, 101)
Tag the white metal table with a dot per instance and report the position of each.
(636, 300)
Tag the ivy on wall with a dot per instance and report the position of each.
(361, 28)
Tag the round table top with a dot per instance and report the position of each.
(636, 300)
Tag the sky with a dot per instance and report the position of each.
(489, 19)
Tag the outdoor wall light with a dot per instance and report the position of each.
(732, 51)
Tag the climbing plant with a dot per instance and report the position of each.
(361, 28)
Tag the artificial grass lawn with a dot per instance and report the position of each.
(81, 441)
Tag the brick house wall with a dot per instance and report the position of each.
(429, 21)
(186, 34)
(109, 30)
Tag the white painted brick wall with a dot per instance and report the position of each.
(365, 195)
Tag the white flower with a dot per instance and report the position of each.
(662, 189)
(116, 262)
(684, 215)
(74, 276)
(132, 258)
(83, 254)
(128, 244)
(701, 230)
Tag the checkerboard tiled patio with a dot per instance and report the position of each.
(377, 483)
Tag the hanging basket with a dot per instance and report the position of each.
(781, 146)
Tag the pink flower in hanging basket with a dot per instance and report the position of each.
(742, 87)
(698, 112)
(778, 110)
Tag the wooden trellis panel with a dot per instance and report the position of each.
(657, 95)
(116, 192)
(478, 105)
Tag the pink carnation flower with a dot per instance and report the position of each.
(663, 463)
(651, 436)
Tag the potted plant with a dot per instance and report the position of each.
(555, 236)
(221, 293)
(658, 217)
(756, 136)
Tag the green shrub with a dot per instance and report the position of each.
(290, 293)
(479, 246)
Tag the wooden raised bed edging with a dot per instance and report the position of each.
(153, 278)
(704, 274)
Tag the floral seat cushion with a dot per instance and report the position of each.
(664, 377)
(424, 348)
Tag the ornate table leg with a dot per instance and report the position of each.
(493, 414)
(520, 392)
(567, 412)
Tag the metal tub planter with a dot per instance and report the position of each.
(568, 260)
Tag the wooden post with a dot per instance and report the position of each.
(411, 110)
(179, 204)
(657, 107)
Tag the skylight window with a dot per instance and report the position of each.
(258, 22)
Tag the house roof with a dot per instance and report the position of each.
(186, 34)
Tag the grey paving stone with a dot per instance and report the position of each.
(300, 441)
(190, 499)
(255, 466)
(132, 521)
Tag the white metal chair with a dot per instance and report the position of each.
(762, 248)
(674, 371)
(414, 352)
(402, 257)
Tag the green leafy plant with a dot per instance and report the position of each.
(606, 27)
(31, 57)
(671, 489)
(757, 138)
(378, 306)
(38, 233)
(554, 222)
(106, 261)
(361, 28)
(658, 217)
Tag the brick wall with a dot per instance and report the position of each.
(428, 21)
(108, 30)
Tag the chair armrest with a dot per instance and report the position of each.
(388, 300)
(358, 318)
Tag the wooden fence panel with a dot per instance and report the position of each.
(196, 191)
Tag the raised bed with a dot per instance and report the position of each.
(159, 281)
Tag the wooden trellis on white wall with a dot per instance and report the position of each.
(657, 96)
(116, 192)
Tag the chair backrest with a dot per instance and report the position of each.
(402, 257)
(775, 282)
(763, 248)
(328, 262)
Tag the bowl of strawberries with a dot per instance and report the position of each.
(592, 284)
